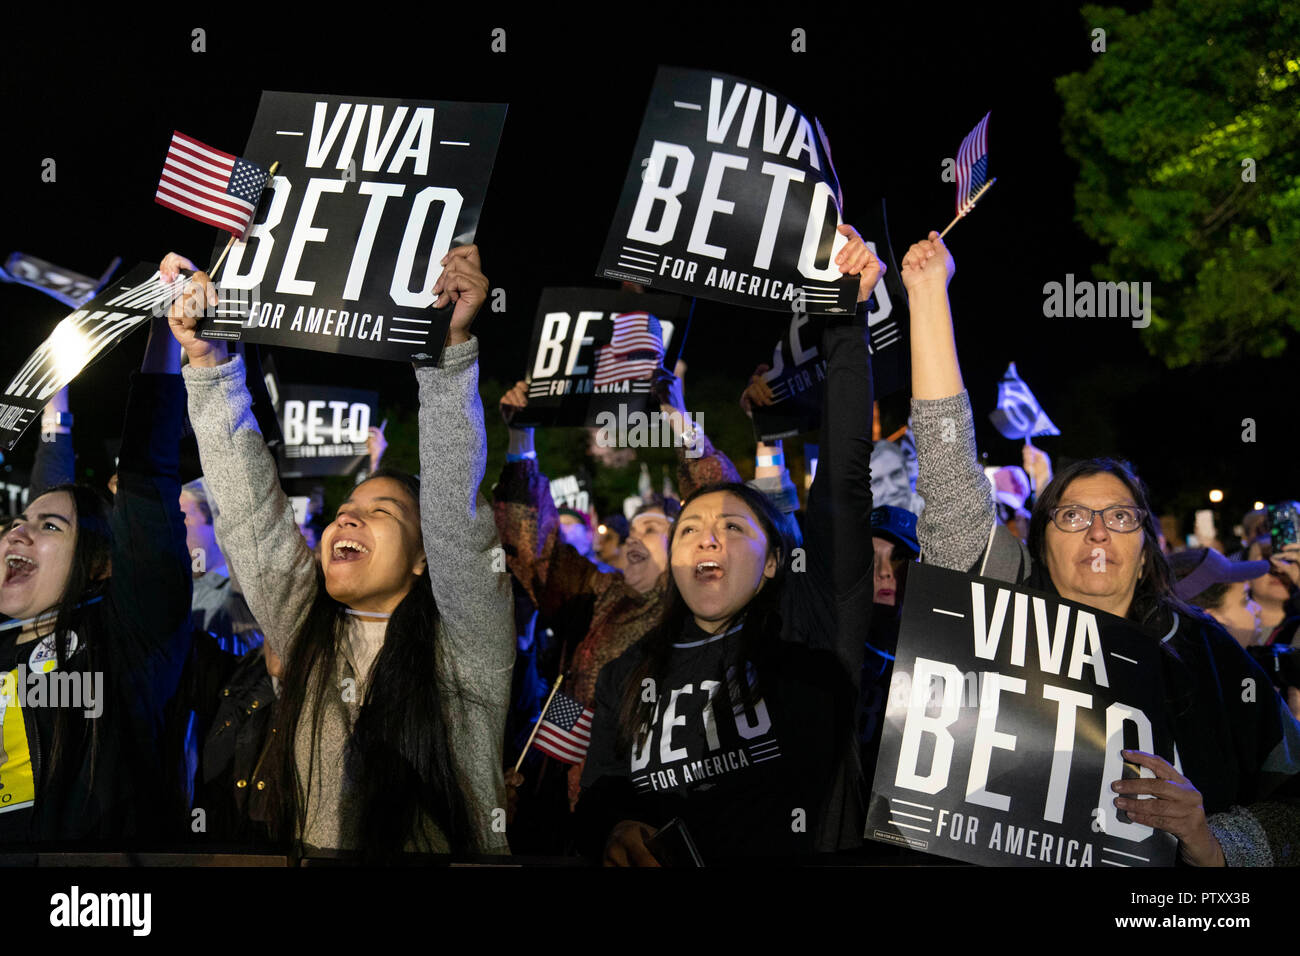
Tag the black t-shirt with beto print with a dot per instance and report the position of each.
(748, 780)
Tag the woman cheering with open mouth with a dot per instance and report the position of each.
(398, 648)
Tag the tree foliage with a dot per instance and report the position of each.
(1189, 102)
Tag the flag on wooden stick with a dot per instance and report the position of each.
(564, 731)
(972, 165)
(208, 185)
(972, 170)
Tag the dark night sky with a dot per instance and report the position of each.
(895, 96)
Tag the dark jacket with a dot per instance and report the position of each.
(593, 612)
(805, 758)
(236, 784)
(1236, 739)
(132, 638)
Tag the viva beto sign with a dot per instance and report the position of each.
(369, 196)
(730, 195)
(1008, 709)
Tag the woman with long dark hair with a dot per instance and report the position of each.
(99, 599)
(1093, 539)
(397, 648)
(735, 715)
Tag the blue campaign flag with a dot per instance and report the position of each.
(1018, 415)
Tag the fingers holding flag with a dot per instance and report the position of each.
(172, 264)
(190, 306)
(927, 262)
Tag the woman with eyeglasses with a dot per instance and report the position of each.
(1093, 539)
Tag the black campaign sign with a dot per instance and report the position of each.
(369, 196)
(730, 195)
(325, 429)
(797, 379)
(594, 350)
(571, 491)
(79, 339)
(1007, 713)
(798, 367)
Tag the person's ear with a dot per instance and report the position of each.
(106, 571)
(772, 563)
(421, 566)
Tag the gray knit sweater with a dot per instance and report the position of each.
(475, 628)
(957, 530)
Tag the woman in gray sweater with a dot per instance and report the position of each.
(1092, 539)
(398, 647)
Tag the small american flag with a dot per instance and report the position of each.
(972, 165)
(565, 730)
(209, 185)
(634, 351)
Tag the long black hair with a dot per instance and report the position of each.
(1154, 602)
(761, 628)
(87, 580)
(399, 756)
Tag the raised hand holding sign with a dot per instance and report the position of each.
(358, 228)
(462, 282)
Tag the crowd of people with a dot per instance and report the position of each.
(712, 666)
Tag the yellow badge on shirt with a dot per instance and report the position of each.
(17, 787)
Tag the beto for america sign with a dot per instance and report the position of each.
(1007, 713)
(731, 195)
(325, 429)
(595, 351)
(369, 196)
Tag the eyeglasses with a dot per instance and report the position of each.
(1121, 518)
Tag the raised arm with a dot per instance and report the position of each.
(150, 583)
(469, 580)
(460, 537)
(838, 517)
(957, 523)
(254, 519)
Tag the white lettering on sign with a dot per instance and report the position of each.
(400, 290)
(306, 423)
(231, 277)
(555, 332)
(710, 203)
(379, 194)
(395, 144)
(416, 141)
(1116, 716)
(1085, 648)
(303, 233)
(789, 134)
(652, 192)
(931, 712)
